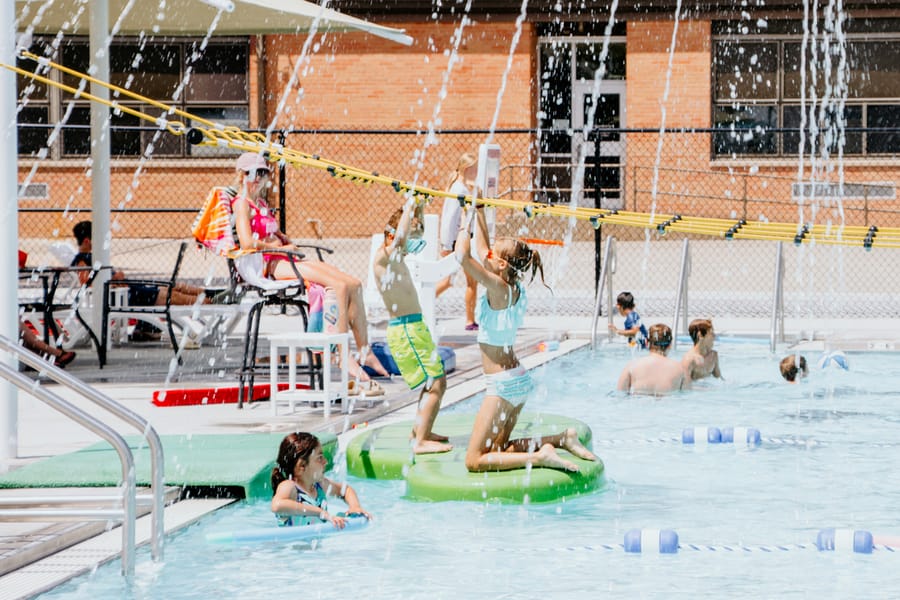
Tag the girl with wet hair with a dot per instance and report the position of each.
(500, 312)
(300, 488)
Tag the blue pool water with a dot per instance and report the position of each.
(828, 457)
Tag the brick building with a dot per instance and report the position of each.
(728, 78)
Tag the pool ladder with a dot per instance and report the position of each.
(121, 507)
(776, 333)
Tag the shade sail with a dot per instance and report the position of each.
(195, 17)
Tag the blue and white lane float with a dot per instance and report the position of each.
(651, 541)
(297, 533)
(848, 541)
(726, 435)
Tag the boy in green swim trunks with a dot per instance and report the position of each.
(408, 336)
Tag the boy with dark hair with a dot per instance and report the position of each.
(634, 330)
(655, 374)
(701, 360)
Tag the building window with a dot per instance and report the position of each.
(217, 89)
(766, 83)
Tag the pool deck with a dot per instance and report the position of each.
(35, 557)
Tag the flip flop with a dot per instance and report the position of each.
(373, 389)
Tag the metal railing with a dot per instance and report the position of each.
(604, 282)
(777, 330)
(123, 506)
(681, 298)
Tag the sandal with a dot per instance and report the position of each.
(373, 389)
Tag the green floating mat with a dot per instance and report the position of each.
(223, 462)
(384, 453)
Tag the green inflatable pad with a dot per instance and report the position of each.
(384, 453)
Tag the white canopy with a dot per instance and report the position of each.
(192, 17)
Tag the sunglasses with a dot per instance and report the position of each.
(260, 173)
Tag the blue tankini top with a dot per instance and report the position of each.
(303, 498)
(499, 327)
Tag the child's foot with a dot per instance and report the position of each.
(431, 447)
(434, 437)
(571, 443)
(547, 457)
(355, 371)
(373, 363)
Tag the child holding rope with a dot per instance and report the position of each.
(408, 336)
(500, 312)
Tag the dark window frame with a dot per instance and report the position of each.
(764, 139)
(132, 139)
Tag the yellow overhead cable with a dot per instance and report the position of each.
(204, 132)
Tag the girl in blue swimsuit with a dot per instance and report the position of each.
(500, 313)
(301, 488)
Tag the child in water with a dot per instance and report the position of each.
(301, 488)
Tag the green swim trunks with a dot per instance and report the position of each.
(413, 350)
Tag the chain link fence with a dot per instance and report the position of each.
(154, 203)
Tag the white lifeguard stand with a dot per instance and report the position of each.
(488, 180)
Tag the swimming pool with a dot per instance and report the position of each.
(827, 459)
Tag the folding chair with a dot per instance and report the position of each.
(153, 314)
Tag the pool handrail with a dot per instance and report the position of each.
(681, 298)
(777, 328)
(606, 272)
(157, 460)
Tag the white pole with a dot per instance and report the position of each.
(100, 172)
(9, 306)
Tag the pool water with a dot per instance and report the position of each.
(827, 459)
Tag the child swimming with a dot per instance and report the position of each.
(300, 488)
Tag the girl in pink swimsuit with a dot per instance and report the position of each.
(257, 229)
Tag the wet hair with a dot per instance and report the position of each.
(294, 447)
(465, 161)
(789, 368)
(699, 328)
(659, 335)
(82, 231)
(520, 259)
(625, 300)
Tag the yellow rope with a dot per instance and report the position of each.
(208, 133)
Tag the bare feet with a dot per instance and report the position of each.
(434, 437)
(355, 371)
(431, 447)
(571, 443)
(373, 363)
(547, 457)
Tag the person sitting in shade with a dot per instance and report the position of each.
(701, 360)
(655, 374)
(793, 368)
(138, 294)
(408, 335)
